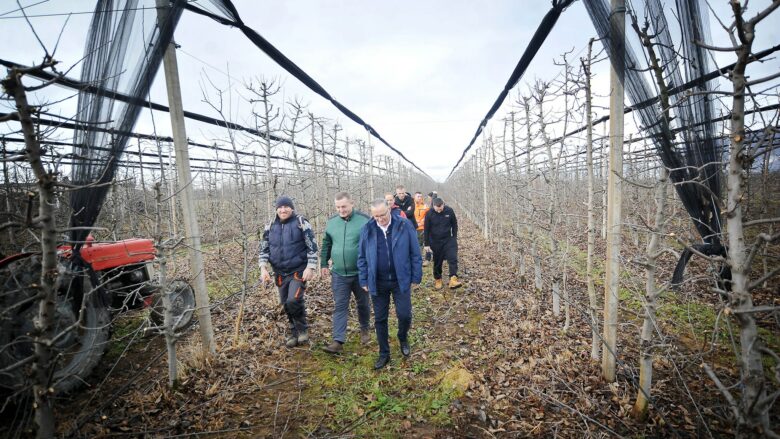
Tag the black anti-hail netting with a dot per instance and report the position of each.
(695, 161)
(123, 53)
(124, 49)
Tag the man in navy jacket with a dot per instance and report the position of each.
(288, 245)
(389, 262)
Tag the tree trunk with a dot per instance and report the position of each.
(44, 323)
(485, 211)
(741, 300)
(652, 291)
(162, 275)
(529, 220)
(595, 346)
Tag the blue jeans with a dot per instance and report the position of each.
(343, 287)
(403, 311)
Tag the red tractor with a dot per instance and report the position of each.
(106, 279)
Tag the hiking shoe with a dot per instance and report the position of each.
(334, 347)
(303, 337)
(292, 341)
(381, 362)
(365, 336)
(438, 284)
(455, 283)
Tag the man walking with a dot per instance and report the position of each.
(420, 209)
(340, 246)
(390, 199)
(389, 263)
(405, 202)
(288, 245)
(441, 237)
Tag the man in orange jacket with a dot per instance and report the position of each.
(420, 209)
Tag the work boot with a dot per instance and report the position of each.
(303, 337)
(292, 341)
(437, 284)
(334, 348)
(365, 336)
(454, 283)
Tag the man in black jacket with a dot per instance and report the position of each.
(441, 237)
(405, 202)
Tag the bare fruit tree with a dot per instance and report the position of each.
(755, 403)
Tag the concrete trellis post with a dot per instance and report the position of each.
(187, 194)
(614, 191)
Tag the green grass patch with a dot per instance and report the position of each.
(631, 299)
(225, 286)
(123, 329)
(354, 399)
(219, 289)
(577, 259)
(772, 341)
(376, 403)
(693, 320)
(474, 319)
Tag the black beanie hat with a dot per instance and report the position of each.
(284, 200)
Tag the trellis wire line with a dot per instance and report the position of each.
(76, 85)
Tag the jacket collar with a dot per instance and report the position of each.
(292, 217)
(395, 222)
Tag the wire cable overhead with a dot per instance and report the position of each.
(231, 17)
(548, 22)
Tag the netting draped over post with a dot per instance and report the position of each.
(124, 49)
(695, 161)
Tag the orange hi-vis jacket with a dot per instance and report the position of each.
(419, 214)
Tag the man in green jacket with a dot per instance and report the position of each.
(340, 246)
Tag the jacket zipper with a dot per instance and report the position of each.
(344, 247)
(387, 246)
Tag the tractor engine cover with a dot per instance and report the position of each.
(103, 256)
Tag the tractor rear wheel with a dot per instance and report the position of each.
(80, 343)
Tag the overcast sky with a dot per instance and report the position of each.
(423, 73)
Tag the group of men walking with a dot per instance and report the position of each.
(374, 258)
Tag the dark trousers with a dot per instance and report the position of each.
(447, 249)
(291, 292)
(421, 241)
(403, 311)
(344, 287)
